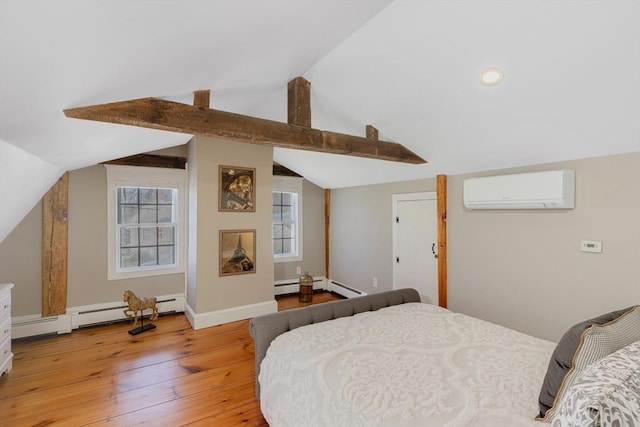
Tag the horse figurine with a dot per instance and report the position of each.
(139, 304)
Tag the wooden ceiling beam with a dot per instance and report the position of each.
(172, 116)
(150, 161)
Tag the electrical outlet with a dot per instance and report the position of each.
(375, 282)
(298, 270)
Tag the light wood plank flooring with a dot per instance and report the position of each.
(171, 376)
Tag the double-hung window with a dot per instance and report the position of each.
(287, 219)
(146, 217)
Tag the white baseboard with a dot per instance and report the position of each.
(218, 317)
(35, 324)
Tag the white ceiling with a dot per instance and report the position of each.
(410, 68)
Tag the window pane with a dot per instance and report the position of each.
(286, 199)
(277, 246)
(277, 231)
(277, 214)
(128, 215)
(148, 195)
(148, 256)
(148, 233)
(165, 213)
(165, 235)
(128, 237)
(166, 255)
(286, 231)
(128, 257)
(286, 246)
(165, 196)
(127, 195)
(148, 236)
(277, 198)
(287, 213)
(148, 214)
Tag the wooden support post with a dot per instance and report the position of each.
(54, 248)
(372, 132)
(201, 98)
(327, 218)
(299, 102)
(442, 239)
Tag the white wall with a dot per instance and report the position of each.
(524, 269)
(521, 269)
(207, 291)
(25, 178)
(361, 233)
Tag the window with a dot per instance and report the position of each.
(146, 211)
(287, 219)
(146, 227)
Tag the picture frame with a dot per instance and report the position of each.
(237, 189)
(237, 252)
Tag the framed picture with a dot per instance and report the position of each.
(237, 252)
(237, 189)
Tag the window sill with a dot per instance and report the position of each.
(278, 260)
(113, 275)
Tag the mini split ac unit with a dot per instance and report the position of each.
(536, 190)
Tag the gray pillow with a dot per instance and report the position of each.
(562, 358)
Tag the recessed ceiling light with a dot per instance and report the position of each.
(491, 76)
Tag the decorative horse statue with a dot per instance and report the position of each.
(138, 304)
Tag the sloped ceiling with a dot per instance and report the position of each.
(410, 68)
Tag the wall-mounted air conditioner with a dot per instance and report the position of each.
(537, 190)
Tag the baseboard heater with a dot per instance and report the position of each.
(88, 315)
(344, 290)
(115, 313)
(291, 286)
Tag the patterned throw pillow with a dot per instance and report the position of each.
(605, 393)
(597, 342)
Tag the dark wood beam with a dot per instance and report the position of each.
(54, 248)
(151, 161)
(372, 132)
(177, 117)
(299, 102)
(279, 170)
(201, 98)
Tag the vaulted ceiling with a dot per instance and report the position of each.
(571, 85)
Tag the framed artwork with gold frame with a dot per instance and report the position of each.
(237, 189)
(237, 252)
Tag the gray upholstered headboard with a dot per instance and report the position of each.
(266, 328)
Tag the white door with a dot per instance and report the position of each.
(415, 239)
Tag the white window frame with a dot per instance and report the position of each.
(291, 184)
(135, 176)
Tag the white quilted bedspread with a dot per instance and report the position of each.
(407, 365)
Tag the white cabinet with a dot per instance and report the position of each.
(6, 356)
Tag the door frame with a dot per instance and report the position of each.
(441, 200)
(403, 197)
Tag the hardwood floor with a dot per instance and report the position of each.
(171, 376)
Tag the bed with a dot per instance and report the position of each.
(389, 360)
